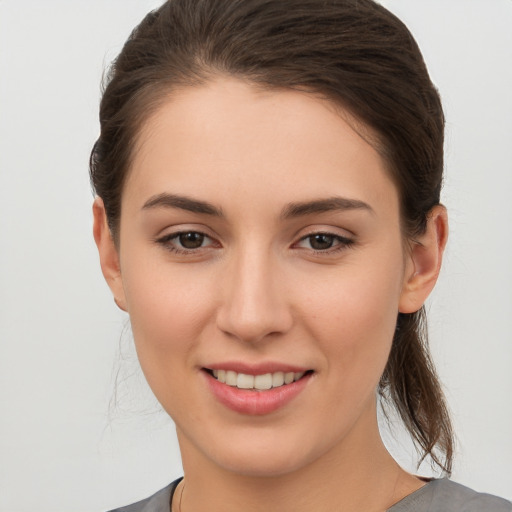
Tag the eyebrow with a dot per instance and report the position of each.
(291, 210)
(183, 203)
(335, 203)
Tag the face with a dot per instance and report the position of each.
(260, 247)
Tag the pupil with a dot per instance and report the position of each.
(191, 240)
(320, 242)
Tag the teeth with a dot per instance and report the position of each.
(259, 382)
(244, 381)
(263, 381)
(277, 379)
(231, 378)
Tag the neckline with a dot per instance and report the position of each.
(417, 494)
(173, 490)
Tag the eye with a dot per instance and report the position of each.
(324, 242)
(191, 240)
(185, 241)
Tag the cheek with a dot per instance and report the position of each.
(352, 315)
(168, 306)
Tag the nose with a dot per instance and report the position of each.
(254, 303)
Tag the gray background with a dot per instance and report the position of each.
(61, 447)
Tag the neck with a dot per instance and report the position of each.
(357, 474)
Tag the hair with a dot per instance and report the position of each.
(354, 53)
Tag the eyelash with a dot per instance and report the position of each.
(167, 241)
(341, 242)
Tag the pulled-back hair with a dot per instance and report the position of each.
(354, 53)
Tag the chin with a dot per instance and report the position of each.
(262, 467)
(259, 459)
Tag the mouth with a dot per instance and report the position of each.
(256, 391)
(261, 382)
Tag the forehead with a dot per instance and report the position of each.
(228, 138)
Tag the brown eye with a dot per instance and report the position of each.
(187, 242)
(191, 240)
(327, 243)
(321, 241)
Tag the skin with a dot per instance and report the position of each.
(257, 291)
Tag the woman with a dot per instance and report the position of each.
(268, 177)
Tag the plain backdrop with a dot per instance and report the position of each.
(63, 343)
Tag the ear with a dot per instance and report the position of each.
(424, 261)
(109, 255)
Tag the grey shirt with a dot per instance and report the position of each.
(437, 496)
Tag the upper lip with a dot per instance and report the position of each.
(257, 368)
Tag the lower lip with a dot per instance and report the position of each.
(253, 402)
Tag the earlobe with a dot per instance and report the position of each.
(424, 261)
(109, 255)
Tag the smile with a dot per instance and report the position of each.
(261, 382)
(256, 393)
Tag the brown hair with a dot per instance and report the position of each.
(353, 52)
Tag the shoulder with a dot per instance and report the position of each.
(158, 502)
(446, 496)
(465, 499)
